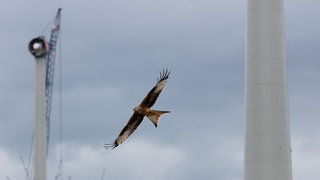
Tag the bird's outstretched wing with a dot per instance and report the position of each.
(130, 127)
(152, 96)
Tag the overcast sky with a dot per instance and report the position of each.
(112, 52)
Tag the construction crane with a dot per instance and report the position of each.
(44, 54)
(50, 64)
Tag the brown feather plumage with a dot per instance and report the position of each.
(137, 117)
(154, 93)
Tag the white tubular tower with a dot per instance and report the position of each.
(39, 48)
(267, 141)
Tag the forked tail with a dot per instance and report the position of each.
(154, 116)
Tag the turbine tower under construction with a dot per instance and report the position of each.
(44, 54)
(267, 137)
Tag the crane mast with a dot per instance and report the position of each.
(50, 64)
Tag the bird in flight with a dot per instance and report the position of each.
(139, 112)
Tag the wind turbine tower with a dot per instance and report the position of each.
(44, 54)
(39, 48)
(267, 138)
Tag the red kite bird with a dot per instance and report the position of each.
(143, 110)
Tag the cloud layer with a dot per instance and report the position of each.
(112, 52)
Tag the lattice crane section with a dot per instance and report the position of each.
(50, 64)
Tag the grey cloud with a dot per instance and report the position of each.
(112, 52)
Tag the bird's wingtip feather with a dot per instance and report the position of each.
(164, 74)
(110, 146)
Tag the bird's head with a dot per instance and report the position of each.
(136, 108)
